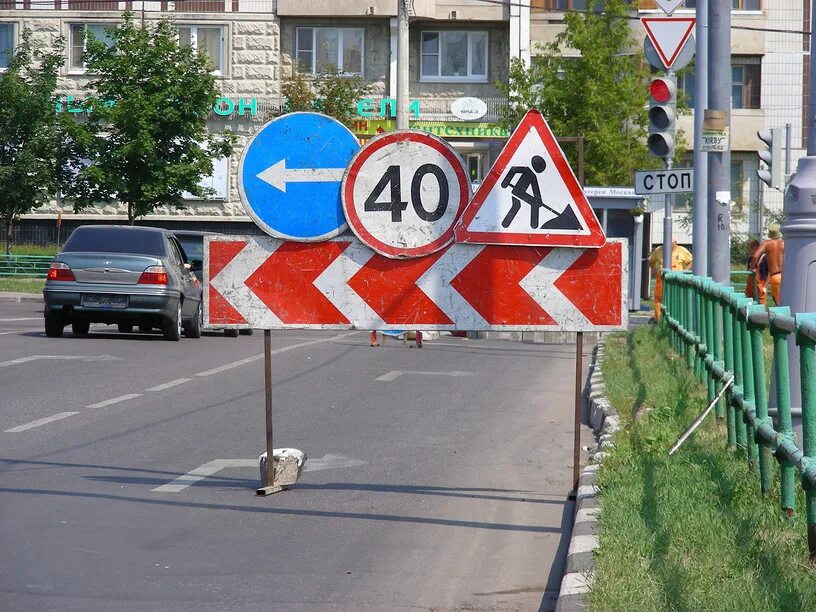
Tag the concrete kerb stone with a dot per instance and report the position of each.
(580, 563)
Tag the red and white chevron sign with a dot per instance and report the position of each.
(267, 283)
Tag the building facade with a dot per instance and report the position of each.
(459, 50)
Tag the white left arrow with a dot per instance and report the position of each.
(278, 175)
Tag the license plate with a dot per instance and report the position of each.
(104, 301)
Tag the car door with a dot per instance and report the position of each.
(189, 284)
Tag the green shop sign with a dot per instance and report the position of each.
(223, 107)
(387, 108)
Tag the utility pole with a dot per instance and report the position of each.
(699, 220)
(402, 65)
(719, 162)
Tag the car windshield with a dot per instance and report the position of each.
(115, 240)
(193, 246)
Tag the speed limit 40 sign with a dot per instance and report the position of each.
(404, 192)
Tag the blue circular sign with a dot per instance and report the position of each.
(290, 175)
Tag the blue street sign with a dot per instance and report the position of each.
(290, 175)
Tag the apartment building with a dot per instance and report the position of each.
(459, 49)
(768, 68)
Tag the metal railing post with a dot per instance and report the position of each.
(699, 364)
(708, 287)
(728, 341)
(691, 348)
(716, 290)
(766, 465)
(748, 387)
(807, 371)
(787, 480)
(737, 393)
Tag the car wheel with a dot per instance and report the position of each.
(193, 329)
(231, 333)
(125, 328)
(145, 328)
(171, 328)
(53, 326)
(246, 332)
(80, 328)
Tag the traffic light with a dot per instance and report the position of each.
(772, 157)
(662, 107)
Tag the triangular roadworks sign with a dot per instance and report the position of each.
(668, 34)
(530, 196)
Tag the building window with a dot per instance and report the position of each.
(454, 55)
(745, 5)
(745, 79)
(209, 39)
(79, 39)
(559, 5)
(736, 5)
(321, 49)
(6, 44)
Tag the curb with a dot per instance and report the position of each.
(19, 298)
(580, 563)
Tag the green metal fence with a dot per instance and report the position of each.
(34, 266)
(719, 333)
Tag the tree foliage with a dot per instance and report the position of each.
(596, 91)
(146, 130)
(331, 92)
(33, 137)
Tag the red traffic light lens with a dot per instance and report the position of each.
(660, 90)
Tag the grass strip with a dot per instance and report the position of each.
(691, 531)
(22, 285)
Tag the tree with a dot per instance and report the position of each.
(331, 92)
(600, 94)
(146, 129)
(33, 136)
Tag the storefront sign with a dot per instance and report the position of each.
(468, 109)
(387, 109)
(437, 128)
(223, 107)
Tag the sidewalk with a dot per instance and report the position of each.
(18, 298)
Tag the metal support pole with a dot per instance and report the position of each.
(402, 65)
(268, 486)
(811, 111)
(579, 387)
(699, 222)
(719, 162)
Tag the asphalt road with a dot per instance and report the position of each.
(437, 478)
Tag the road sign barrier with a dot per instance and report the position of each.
(343, 284)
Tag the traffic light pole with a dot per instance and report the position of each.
(699, 219)
(719, 162)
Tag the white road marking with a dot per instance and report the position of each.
(277, 351)
(38, 422)
(19, 331)
(21, 319)
(5, 364)
(168, 385)
(394, 374)
(327, 462)
(115, 400)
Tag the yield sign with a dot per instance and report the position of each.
(669, 6)
(668, 34)
(531, 196)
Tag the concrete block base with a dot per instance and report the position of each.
(289, 464)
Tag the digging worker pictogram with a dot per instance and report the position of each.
(526, 189)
